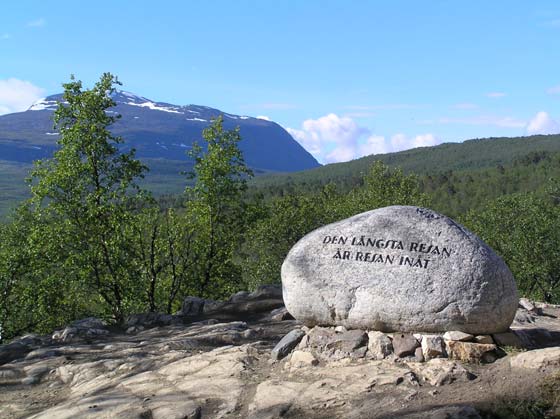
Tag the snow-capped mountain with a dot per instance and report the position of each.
(157, 130)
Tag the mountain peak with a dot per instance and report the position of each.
(48, 103)
(157, 130)
(122, 96)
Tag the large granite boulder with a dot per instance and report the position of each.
(399, 268)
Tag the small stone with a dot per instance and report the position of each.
(340, 329)
(470, 351)
(529, 306)
(418, 355)
(304, 343)
(379, 345)
(440, 371)
(287, 343)
(404, 344)
(359, 353)
(458, 336)
(280, 314)
(319, 337)
(432, 347)
(411, 378)
(348, 341)
(486, 339)
(301, 359)
(522, 316)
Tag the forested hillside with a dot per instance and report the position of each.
(469, 155)
(453, 192)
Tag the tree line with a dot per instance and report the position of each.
(91, 242)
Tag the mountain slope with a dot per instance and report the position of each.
(158, 131)
(469, 155)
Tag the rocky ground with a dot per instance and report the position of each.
(216, 360)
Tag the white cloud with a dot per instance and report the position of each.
(341, 153)
(542, 123)
(401, 142)
(495, 95)
(332, 139)
(37, 23)
(375, 144)
(18, 95)
(554, 90)
(266, 118)
(5, 36)
(425, 140)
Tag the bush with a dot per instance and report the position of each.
(525, 230)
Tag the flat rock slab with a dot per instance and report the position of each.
(399, 268)
(537, 359)
(458, 336)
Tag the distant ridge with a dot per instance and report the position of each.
(157, 130)
(468, 155)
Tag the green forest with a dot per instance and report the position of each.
(93, 241)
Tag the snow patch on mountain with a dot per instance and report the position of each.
(44, 104)
(155, 107)
(130, 96)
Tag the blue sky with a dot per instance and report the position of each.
(346, 78)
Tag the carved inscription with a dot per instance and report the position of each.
(387, 251)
